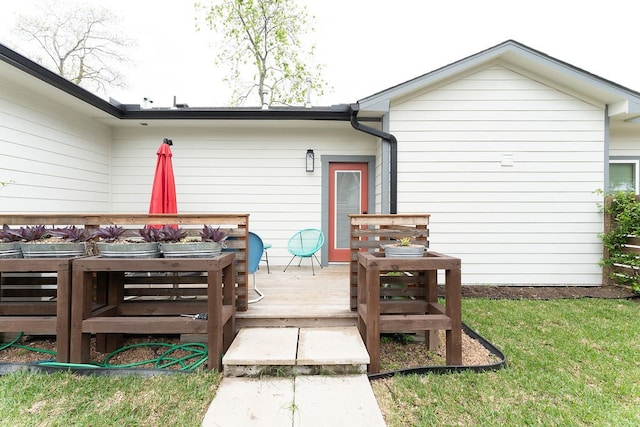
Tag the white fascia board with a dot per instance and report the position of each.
(624, 109)
(421, 82)
(377, 109)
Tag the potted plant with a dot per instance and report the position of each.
(9, 243)
(39, 242)
(112, 244)
(404, 248)
(176, 243)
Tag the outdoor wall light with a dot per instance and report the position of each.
(310, 160)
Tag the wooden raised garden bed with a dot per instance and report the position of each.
(37, 303)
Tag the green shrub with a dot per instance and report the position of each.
(624, 209)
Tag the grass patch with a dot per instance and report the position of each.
(63, 399)
(571, 362)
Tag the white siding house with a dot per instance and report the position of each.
(51, 160)
(257, 168)
(506, 150)
(508, 168)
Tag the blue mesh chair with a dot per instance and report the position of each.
(254, 254)
(305, 244)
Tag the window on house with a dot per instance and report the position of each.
(623, 175)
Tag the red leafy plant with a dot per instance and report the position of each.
(7, 235)
(109, 233)
(30, 233)
(210, 234)
(149, 234)
(167, 233)
(71, 234)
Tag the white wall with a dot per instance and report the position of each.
(625, 140)
(533, 222)
(237, 167)
(53, 159)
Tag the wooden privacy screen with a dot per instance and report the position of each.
(236, 225)
(631, 247)
(369, 231)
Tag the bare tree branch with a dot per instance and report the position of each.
(80, 42)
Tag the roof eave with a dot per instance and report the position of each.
(38, 71)
(339, 112)
(510, 51)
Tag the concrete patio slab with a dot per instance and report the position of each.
(322, 401)
(306, 401)
(252, 402)
(253, 349)
(331, 346)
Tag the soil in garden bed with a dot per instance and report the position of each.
(546, 292)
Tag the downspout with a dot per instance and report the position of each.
(393, 154)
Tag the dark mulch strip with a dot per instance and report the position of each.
(546, 292)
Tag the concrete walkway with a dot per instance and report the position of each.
(295, 377)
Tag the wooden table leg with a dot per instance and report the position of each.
(372, 291)
(214, 320)
(453, 309)
(361, 298)
(229, 299)
(63, 314)
(113, 282)
(431, 278)
(79, 343)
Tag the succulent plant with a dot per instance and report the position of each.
(150, 234)
(7, 235)
(110, 233)
(210, 234)
(169, 233)
(31, 233)
(71, 234)
(405, 241)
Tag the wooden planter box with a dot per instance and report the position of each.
(369, 231)
(420, 311)
(100, 307)
(236, 225)
(35, 304)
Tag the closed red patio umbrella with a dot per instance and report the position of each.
(163, 192)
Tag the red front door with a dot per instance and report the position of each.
(348, 184)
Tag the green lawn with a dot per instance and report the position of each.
(571, 363)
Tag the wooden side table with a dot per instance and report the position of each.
(113, 316)
(420, 312)
(42, 317)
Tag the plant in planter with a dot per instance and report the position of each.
(111, 244)
(150, 234)
(40, 242)
(176, 243)
(210, 234)
(74, 240)
(9, 243)
(108, 234)
(172, 234)
(403, 248)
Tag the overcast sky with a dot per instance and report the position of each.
(370, 45)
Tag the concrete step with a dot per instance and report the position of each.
(296, 351)
(303, 401)
(295, 320)
(291, 316)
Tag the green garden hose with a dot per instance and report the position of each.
(15, 344)
(196, 355)
(197, 351)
